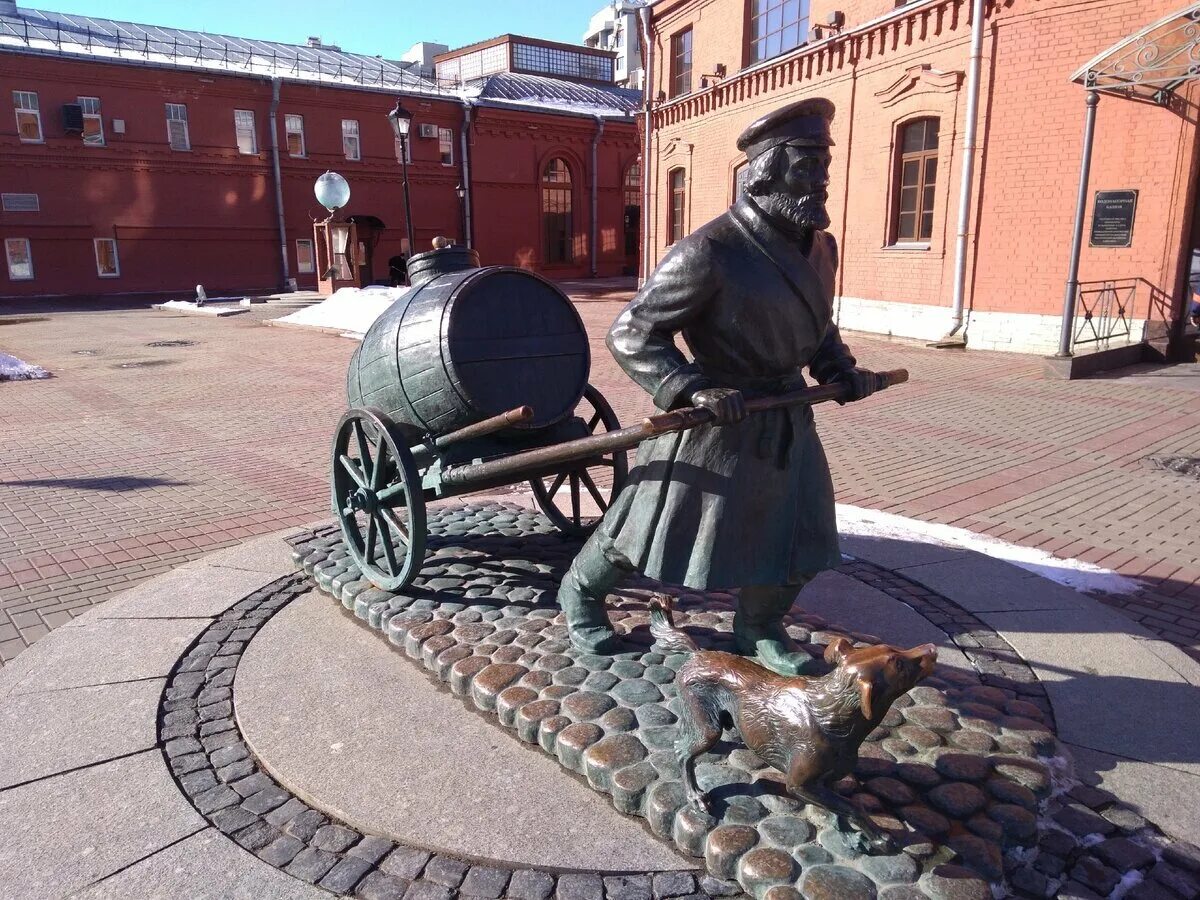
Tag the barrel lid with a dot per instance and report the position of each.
(441, 260)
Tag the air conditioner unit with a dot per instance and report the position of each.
(118, 126)
(426, 130)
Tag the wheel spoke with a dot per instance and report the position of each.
(575, 515)
(377, 472)
(360, 438)
(591, 486)
(389, 551)
(369, 541)
(350, 466)
(556, 484)
(397, 526)
(389, 492)
(593, 422)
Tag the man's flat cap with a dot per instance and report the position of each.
(805, 122)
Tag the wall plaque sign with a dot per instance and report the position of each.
(1112, 218)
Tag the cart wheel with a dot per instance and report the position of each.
(563, 498)
(378, 500)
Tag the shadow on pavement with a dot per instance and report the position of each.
(114, 483)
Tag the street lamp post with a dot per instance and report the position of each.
(462, 213)
(401, 120)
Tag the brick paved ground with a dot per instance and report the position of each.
(110, 473)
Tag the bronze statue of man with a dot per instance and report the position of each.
(745, 502)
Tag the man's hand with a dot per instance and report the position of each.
(863, 383)
(726, 404)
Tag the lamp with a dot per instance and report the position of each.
(333, 191)
(401, 120)
(461, 191)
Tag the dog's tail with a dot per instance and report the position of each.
(662, 627)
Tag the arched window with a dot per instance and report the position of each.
(633, 185)
(677, 179)
(556, 211)
(916, 179)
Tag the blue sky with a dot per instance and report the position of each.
(362, 26)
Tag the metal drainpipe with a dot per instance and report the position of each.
(466, 170)
(1072, 288)
(648, 88)
(283, 250)
(595, 189)
(968, 167)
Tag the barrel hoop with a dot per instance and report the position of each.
(452, 376)
(409, 408)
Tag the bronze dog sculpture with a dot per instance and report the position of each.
(810, 729)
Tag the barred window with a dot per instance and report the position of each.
(446, 146)
(677, 179)
(107, 264)
(29, 116)
(93, 123)
(20, 262)
(293, 126)
(304, 256)
(177, 127)
(681, 63)
(556, 212)
(243, 126)
(633, 185)
(916, 179)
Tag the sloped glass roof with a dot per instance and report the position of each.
(1150, 64)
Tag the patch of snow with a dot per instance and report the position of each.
(1073, 573)
(348, 310)
(1128, 882)
(209, 308)
(13, 369)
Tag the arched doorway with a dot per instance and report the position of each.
(631, 190)
(557, 232)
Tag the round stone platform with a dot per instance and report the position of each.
(329, 711)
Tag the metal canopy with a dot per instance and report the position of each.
(1150, 64)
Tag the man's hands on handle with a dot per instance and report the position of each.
(726, 404)
(863, 383)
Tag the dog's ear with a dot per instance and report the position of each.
(866, 695)
(837, 649)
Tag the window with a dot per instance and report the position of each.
(350, 145)
(107, 265)
(678, 183)
(633, 185)
(20, 263)
(776, 26)
(20, 203)
(681, 63)
(304, 257)
(294, 127)
(29, 118)
(740, 176)
(177, 127)
(243, 126)
(446, 146)
(916, 179)
(93, 123)
(556, 211)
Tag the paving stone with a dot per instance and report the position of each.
(380, 886)
(284, 814)
(585, 706)
(406, 862)
(305, 825)
(311, 864)
(603, 759)
(256, 835)
(957, 800)
(890, 869)
(1081, 821)
(445, 871)
(573, 740)
(672, 884)
(530, 884)
(216, 798)
(1176, 879)
(726, 845)
(577, 886)
(716, 887)
(372, 848)
(1094, 874)
(233, 818)
(280, 851)
(345, 874)
(265, 800)
(765, 866)
(948, 882)
(486, 882)
(627, 887)
(1123, 854)
(1184, 855)
(836, 883)
(334, 838)
(254, 783)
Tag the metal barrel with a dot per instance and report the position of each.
(469, 344)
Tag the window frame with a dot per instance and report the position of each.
(187, 132)
(680, 80)
(9, 206)
(755, 40)
(447, 158)
(288, 131)
(312, 257)
(96, 116)
(631, 184)
(922, 158)
(564, 190)
(116, 258)
(356, 136)
(9, 260)
(239, 132)
(675, 218)
(35, 111)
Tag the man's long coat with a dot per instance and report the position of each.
(744, 504)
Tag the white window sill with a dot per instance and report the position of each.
(908, 245)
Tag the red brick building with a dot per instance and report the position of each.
(135, 159)
(899, 74)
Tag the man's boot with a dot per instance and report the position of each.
(581, 595)
(758, 628)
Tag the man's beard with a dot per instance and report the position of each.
(803, 211)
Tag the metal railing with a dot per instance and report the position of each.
(1119, 311)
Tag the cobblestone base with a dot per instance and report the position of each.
(958, 771)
